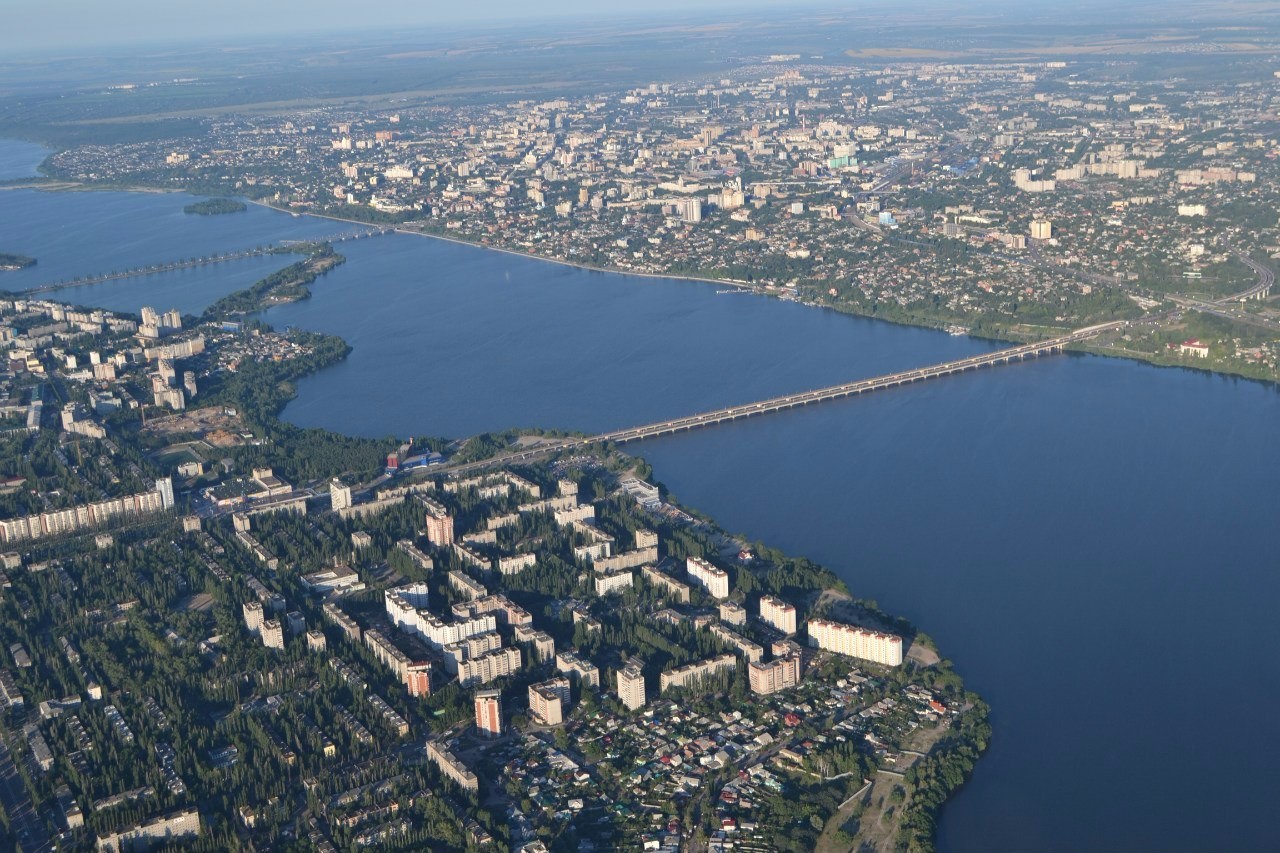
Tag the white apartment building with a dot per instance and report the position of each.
(851, 640)
(778, 614)
(714, 580)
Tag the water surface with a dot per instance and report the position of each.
(1091, 540)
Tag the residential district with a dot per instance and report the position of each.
(1014, 199)
(222, 632)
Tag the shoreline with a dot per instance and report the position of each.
(735, 284)
(746, 287)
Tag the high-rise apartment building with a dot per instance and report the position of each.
(853, 641)
(778, 614)
(339, 495)
(489, 712)
(439, 524)
(631, 685)
(714, 580)
(549, 700)
(766, 678)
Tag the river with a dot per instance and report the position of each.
(1091, 540)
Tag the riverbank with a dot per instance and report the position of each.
(1017, 333)
(1010, 334)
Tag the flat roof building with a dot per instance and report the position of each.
(766, 678)
(631, 691)
(549, 700)
(778, 614)
(489, 712)
(711, 578)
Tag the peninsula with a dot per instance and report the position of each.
(9, 261)
(230, 627)
(215, 207)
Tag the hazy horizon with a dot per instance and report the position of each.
(79, 25)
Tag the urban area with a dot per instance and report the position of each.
(224, 632)
(1012, 200)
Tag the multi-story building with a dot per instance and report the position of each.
(506, 610)
(469, 649)
(166, 828)
(349, 626)
(676, 589)
(548, 701)
(857, 642)
(439, 523)
(625, 560)
(750, 650)
(489, 712)
(692, 674)
(542, 644)
(387, 652)
(71, 519)
(631, 685)
(406, 605)
(272, 634)
(584, 670)
(711, 578)
(776, 675)
(451, 766)
(616, 582)
(778, 614)
(489, 666)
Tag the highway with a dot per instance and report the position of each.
(804, 398)
(1266, 279)
(1227, 308)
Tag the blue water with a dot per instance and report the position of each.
(20, 159)
(454, 340)
(75, 234)
(1091, 540)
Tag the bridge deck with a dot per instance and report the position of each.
(791, 401)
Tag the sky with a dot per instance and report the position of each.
(52, 24)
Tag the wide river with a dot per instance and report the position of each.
(1092, 541)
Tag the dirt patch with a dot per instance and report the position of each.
(201, 603)
(211, 423)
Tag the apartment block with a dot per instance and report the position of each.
(778, 614)
(766, 678)
(549, 700)
(853, 641)
(631, 690)
(711, 578)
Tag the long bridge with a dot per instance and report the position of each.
(804, 398)
(191, 263)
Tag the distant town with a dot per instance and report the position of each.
(1006, 199)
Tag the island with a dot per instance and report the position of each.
(230, 629)
(10, 261)
(215, 207)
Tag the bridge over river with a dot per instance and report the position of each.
(191, 263)
(804, 398)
